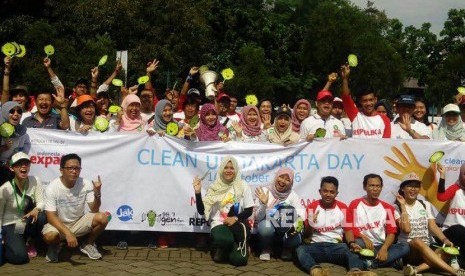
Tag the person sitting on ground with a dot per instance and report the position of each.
(326, 224)
(451, 127)
(281, 132)
(300, 112)
(374, 225)
(65, 201)
(416, 225)
(227, 205)
(454, 224)
(21, 211)
(11, 113)
(248, 129)
(405, 126)
(210, 128)
(275, 200)
(322, 119)
(366, 123)
(45, 116)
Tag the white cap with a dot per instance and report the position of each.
(17, 157)
(336, 99)
(451, 108)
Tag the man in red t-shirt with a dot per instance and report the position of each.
(366, 123)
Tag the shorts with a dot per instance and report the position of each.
(79, 228)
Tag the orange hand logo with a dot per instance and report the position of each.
(408, 164)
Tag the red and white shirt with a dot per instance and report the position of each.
(375, 222)
(456, 213)
(364, 126)
(328, 223)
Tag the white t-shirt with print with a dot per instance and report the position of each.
(333, 126)
(418, 216)
(220, 210)
(69, 204)
(398, 133)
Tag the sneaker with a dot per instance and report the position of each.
(122, 245)
(31, 251)
(316, 271)
(52, 253)
(91, 251)
(265, 256)
(162, 241)
(398, 264)
(460, 272)
(286, 255)
(410, 271)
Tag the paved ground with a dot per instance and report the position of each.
(172, 261)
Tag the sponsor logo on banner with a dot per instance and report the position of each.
(125, 213)
(46, 158)
(198, 220)
(150, 217)
(169, 218)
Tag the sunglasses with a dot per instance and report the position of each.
(18, 110)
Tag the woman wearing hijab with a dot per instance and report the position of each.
(129, 119)
(281, 132)
(275, 199)
(417, 225)
(21, 210)
(163, 116)
(454, 225)
(300, 112)
(11, 113)
(228, 204)
(210, 128)
(248, 129)
(451, 126)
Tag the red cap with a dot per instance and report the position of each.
(222, 95)
(324, 94)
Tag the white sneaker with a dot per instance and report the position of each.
(265, 256)
(91, 251)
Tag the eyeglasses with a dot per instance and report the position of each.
(70, 169)
(18, 110)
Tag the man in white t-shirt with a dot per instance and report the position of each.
(326, 220)
(405, 126)
(322, 119)
(373, 223)
(65, 200)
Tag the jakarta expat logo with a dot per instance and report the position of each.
(125, 213)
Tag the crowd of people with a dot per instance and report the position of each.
(365, 234)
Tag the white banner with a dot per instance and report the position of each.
(147, 181)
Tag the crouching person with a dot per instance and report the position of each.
(277, 200)
(65, 200)
(326, 222)
(227, 204)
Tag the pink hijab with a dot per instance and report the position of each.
(127, 124)
(250, 130)
(295, 122)
(272, 187)
(206, 132)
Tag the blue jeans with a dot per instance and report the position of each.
(396, 251)
(310, 255)
(15, 250)
(267, 235)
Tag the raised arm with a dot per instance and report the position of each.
(6, 80)
(192, 72)
(331, 79)
(61, 104)
(151, 67)
(53, 77)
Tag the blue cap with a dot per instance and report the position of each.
(406, 99)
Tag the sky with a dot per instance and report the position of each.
(416, 12)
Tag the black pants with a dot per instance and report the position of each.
(456, 234)
(15, 249)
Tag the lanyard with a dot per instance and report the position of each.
(19, 206)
